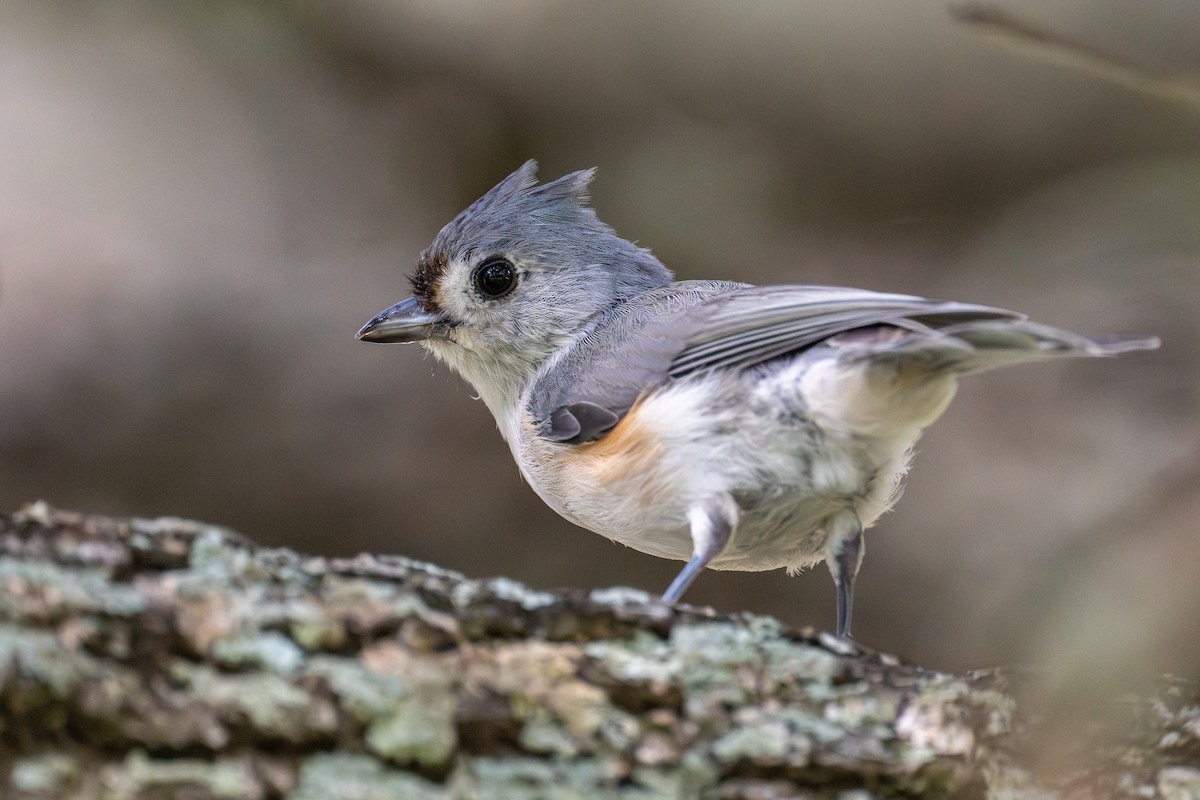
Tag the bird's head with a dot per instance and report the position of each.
(513, 278)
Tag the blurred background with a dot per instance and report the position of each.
(201, 202)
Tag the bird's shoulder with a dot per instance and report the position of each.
(625, 351)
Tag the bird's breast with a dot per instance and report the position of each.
(761, 439)
(620, 485)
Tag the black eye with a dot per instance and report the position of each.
(495, 278)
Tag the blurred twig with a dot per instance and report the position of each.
(1030, 39)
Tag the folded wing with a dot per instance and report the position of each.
(759, 323)
(692, 327)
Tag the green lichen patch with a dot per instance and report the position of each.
(267, 706)
(141, 776)
(622, 597)
(270, 651)
(762, 742)
(363, 694)
(556, 712)
(719, 664)
(798, 669)
(418, 725)
(45, 592)
(369, 610)
(315, 631)
(215, 554)
(45, 775)
(516, 592)
(520, 778)
(333, 776)
(639, 674)
(38, 663)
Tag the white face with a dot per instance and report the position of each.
(508, 315)
(478, 294)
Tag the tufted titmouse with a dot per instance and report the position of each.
(727, 425)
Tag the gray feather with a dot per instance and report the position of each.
(983, 344)
(579, 422)
(543, 228)
(626, 351)
(690, 327)
(764, 322)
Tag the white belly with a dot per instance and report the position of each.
(792, 448)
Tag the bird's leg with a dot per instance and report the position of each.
(712, 526)
(844, 550)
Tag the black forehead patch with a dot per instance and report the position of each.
(431, 267)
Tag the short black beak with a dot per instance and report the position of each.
(405, 322)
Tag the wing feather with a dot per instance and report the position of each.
(696, 326)
(759, 323)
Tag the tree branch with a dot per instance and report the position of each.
(168, 658)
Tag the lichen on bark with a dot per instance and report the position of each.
(169, 658)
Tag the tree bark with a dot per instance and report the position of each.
(173, 659)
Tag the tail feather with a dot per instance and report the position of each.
(983, 344)
(893, 381)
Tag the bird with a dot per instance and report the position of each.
(726, 425)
